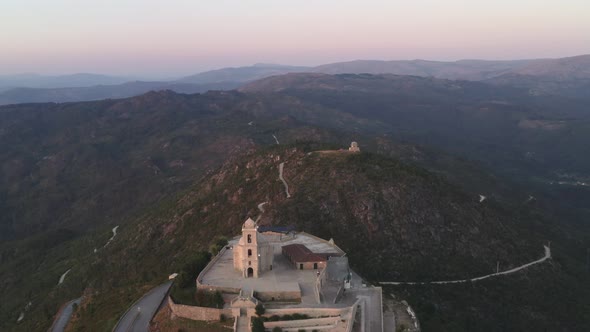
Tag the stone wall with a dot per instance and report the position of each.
(310, 265)
(303, 323)
(319, 284)
(311, 312)
(352, 316)
(197, 313)
(279, 296)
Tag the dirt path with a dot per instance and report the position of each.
(261, 209)
(63, 277)
(112, 237)
(514, 270)
(283, 179)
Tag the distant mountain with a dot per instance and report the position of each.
(241, 74)
(70, 89)
(577, 67)
(129, 89)
(60, 81)
(566, 76)
(463, 70)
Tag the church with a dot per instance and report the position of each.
(253, 254)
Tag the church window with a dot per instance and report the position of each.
(249, 263)
(249, 238)
(249, 252)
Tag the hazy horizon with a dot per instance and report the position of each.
(162, 40)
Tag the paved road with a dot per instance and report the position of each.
(64, 317)
(281, 165)
(516, 269)
(138, 321)
(276, 140)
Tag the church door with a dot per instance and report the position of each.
(250, 272)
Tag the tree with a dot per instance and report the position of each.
(257, 325)
(260, 310)
(218, 299)
(217, 245)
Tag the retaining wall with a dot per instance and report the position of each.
(197, 313)
(312, 312)
(352, 316)
(319, 283)
(303, 323)
(279, 296)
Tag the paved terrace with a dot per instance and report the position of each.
(283, 278)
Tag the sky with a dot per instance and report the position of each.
(174, 38)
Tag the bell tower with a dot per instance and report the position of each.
(247, 253)
(250, 252)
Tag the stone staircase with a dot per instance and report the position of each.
(243, 325)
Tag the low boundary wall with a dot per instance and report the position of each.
(312, 312)
(211, 263)
(352, 316)
(197, 313)
(303, 323)
(319, 283)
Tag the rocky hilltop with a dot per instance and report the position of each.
(394, 220)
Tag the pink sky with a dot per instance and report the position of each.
(157, 38)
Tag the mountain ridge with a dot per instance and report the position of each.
(540, 76)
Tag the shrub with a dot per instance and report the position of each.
(300, 316)
(260, 310)
(277, 329)
(209, 299)
(274, 318)
(257, 325)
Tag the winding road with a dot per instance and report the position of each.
(64, 317)
(138, 316)
(516, 269)
(281, 165)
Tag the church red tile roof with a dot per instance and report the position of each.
(300, 253)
